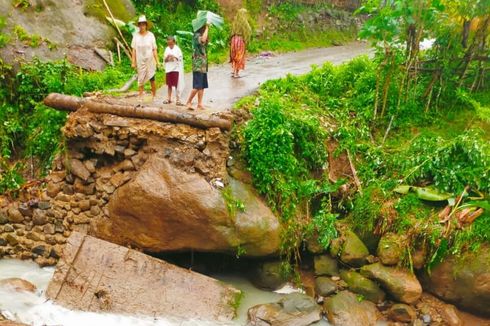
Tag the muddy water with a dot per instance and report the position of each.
(34, 309)
(224, 91)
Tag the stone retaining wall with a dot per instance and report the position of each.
(103, 153)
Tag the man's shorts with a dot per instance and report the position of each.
(199, 80)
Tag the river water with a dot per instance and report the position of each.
(34, 309)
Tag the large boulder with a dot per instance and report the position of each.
(166, 209)
(400, 283)
(362, 285)
(463, 281)
(345, 309)
(292, 310)
(95, 275)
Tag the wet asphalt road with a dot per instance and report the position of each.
(224, 90)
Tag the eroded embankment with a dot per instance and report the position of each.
(152, 185)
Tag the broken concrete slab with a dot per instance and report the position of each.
(95, 275)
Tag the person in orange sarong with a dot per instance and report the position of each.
(241, 31)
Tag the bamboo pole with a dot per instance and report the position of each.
(73, 103)
(117, 27)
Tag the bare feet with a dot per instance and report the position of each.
(189, 106)
(201, 107)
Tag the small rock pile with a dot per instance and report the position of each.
(103, 153)
(355, 288)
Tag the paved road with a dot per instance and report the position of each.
(224, 90)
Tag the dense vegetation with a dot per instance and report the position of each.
(413, 124)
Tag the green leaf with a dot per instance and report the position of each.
(207, 17)
(402, 189)
(431, 194)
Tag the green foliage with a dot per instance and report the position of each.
(412, 79)
(22, 4)
(233, 204)
(451, 164)
(282, 145)
(29, 128)
(4, 39)
(10, 178)
(96, 8)
(33, 40)
(324, 223)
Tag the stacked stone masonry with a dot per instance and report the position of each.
(103, 153)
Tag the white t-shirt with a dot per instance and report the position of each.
(173, 65)
(144, 46)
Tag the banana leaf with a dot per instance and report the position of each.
(431, 194)
(402, 189)
(207, 17)
(132, 28)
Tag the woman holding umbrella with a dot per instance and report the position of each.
(200, 42)
(144, 56)
(199, 66)
(241, 31)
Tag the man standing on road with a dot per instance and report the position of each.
(199, 66)
(144, 56)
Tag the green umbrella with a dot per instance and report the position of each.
(207, 17)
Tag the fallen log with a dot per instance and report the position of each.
(64, 102)
(73, 103)
(99, 276)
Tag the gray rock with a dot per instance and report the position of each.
(354, 252)
(345, 309)
(400, 283)
(362, 285)
(402, 313)
(292, 310)
(268, 275)
(44, 205)
(324, 286)
(325, 265)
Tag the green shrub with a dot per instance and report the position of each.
(281, 147)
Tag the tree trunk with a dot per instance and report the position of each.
(73, 103)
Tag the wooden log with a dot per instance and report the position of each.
(159, 114)
(73, 103)
(64, 102)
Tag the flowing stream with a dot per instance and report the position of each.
(34, 309)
